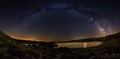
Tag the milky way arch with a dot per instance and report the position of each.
(40, 26)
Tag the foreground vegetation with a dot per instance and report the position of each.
(18, 49)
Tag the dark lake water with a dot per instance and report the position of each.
(79, 44)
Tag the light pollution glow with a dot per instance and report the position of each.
(32, 38)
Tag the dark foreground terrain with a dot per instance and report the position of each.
(19, 49)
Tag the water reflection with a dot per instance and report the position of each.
(79, 44)
(84, 45)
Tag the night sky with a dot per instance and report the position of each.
(57, 20)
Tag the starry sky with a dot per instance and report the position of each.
(58, 20)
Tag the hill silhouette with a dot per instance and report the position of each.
(6, 40)
(115, 36)
(4, 36)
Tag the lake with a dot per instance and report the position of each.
(79, 44)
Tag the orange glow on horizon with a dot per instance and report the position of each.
(49, 39)
(32, 38)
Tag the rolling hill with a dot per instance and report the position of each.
(115, 36)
